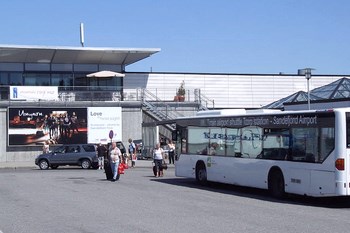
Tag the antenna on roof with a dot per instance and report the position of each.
(82, 34)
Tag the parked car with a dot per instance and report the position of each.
(83, 155)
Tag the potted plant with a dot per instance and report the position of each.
(180, 94)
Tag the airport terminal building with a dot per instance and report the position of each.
(42, 87)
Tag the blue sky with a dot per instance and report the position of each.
(200, 36)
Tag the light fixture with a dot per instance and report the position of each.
(307, 73)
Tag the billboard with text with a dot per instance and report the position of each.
(34, 93)
(102, 121)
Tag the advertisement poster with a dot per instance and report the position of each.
(103, 121)
(34, 126)
(33, 93)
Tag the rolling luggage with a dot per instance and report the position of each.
(163, 167)
(154, 170)
(108, 170)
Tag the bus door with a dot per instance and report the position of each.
(342, 154)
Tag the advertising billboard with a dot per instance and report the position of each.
(102, 122)
(35, 126)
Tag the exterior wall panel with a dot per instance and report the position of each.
(231, 90)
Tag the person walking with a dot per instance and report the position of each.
(101, 153)
(171, 146)
(158, 159)
(132, 152)
(115, 155)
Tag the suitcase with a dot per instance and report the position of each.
(154, 170)
(108, 170)
(163, 167)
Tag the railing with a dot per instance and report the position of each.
(77, 93)
(156, 106)
(90, 96)
(118, 93)
(204, 102)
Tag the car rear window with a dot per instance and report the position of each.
(89, 148)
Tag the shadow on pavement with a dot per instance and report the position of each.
(259, 194)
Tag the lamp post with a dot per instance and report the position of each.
(307, 73)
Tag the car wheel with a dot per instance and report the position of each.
(85, 164)
(43, 164)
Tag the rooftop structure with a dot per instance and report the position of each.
(74, 55)
(337, 90)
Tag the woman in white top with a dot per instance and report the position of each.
(158, 159)
(115, 158)
(171, 146)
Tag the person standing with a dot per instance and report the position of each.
(101, 153)
(171, 146)
(115, 155)
(158, 159)
(46, 147)
(66, 126)
(51, 126)
(132, 152)
(74, 123)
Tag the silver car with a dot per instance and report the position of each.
(83, 155)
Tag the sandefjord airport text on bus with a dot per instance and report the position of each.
(298, 152)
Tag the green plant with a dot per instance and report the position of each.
(181, 90)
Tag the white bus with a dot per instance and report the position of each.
(299, 152)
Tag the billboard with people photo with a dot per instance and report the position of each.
(39, 126)
(35, 126)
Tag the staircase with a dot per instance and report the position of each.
(203, 101)
(161, 111)
(158, 109)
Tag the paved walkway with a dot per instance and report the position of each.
(31, 164)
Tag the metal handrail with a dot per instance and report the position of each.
(116, 93)
(202, 100)
(160, 109)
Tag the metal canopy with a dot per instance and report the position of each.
(73, 55)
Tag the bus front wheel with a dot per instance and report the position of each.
(201, 174)
(276, 184)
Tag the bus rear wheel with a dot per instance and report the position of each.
(276, 184)
(201, 174)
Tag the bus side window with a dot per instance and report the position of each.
(310, 158)
(289, 155)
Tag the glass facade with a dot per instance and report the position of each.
(58, 79)
(68, 77)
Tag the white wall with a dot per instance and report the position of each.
(227, 90)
